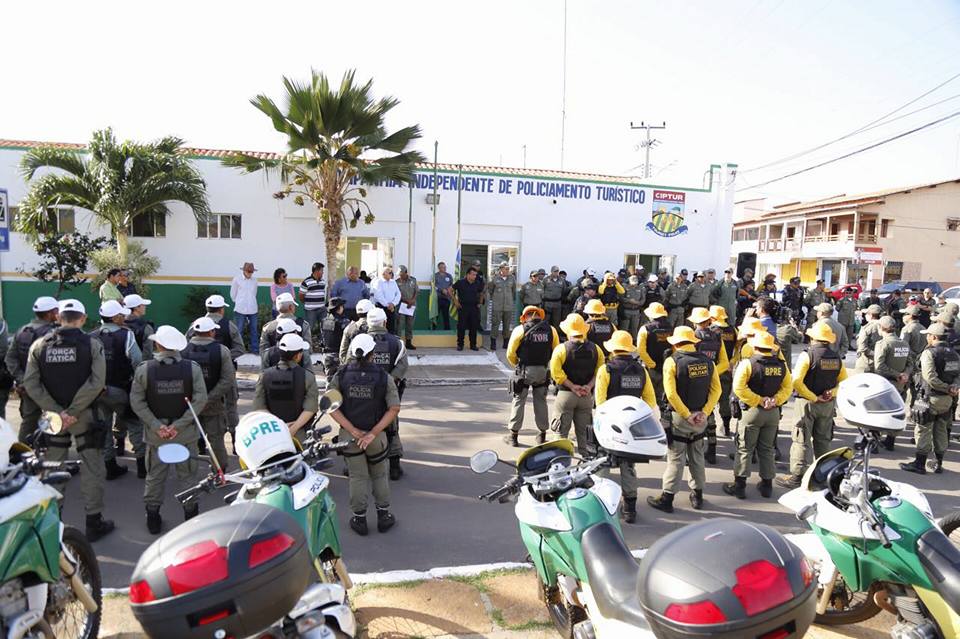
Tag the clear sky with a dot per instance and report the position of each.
(742, 81)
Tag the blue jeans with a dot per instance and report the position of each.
(249, 320)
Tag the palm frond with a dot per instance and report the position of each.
(67, 160)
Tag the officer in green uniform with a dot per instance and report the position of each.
(138, 323)
(868, 338)
(566, 304)
(228, 335)
(841, 342)
(892, 360)
(762, 383)
(45, 315)
(653, 347)
(286, 309)
(912, 334)
(725, 294)
(288, 390)
(531, 293)
(633, 301)
(554, 288)
(728, 337)
(818, 373)
(531, 345)
(711, 345)
(331, 332)
(271, 356)
(370, 404)
(698, 293)
(158, 395)
(65, 372)
(847, 312)
(573, 367)
(409, 289)
(674, 299)
(354, 328)
(502, 293)
(609, 291)
(788, 334)
(940, 379)
(692, 387)
(219, 380)
(816, 296)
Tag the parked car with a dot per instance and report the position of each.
(914, 286)
(952, 294)
(836, 292)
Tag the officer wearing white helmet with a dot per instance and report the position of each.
(157, 397)
(286, 309)
(284, 326)
(45, 314)
(370, 404)
(287, 389)
(219, 378)
(138, 323)
(355, 327)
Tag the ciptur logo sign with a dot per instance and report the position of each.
(668, 213)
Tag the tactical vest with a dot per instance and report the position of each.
(223, 333)
(364, 390)
(657, 345)
(609, 297)
(694, 374)
(627, 377)
(385, 351)
(273, 338)
(947, 362)
(25, 339)
(285, 390)
(331, 330)
(168, 385)
(599, 331)
(654, 295)
(209, 358)
(66, 361)
(766, 375)
(119, 368)
(139, 327)
(728, 337)
(580, 362)
(824, 371)
(709, 344)
(536, 344)
(897, 356)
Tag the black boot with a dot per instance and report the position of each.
(191, 510)
(726, 426)
(395, 471)
(141, 468)
(629, 514)
(888, 442)
(410, 346)
(664, 502)
(511, 439)
(765, 486)
(120, 443)
(154, 521)
(777, 455)
(711, 455)
(737, 488)
(938, 466)
(114, 470)
(493, 344)
(358, 523)
(542, 437)
(918, 465)
(98, 527)
(385, 521)
(202, 445)
(696, 499)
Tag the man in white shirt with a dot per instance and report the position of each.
(243, 291)
(386, 295)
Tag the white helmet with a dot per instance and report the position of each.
(376, 316)
(362, 345)
(364, 306)
(262, 436)
(626, 427)
(8, 437)
(871, 401)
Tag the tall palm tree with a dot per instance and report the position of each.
(116, 181)
(336, 140)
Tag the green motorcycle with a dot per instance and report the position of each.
(49, 576)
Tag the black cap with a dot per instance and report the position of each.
(794, 280)
(683, 271)
(336, 301)
(873, 290)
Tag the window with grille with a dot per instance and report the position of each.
(223, 226)
(149, 225)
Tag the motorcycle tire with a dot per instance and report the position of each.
(863, 607)
(72, 621)
(563, 615)
(950, 525)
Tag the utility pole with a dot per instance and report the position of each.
(524, 156)
(563, 99)
(648, 143)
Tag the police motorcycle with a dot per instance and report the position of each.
(49, 575)
(874, 541)
(748, 581)
(270, 564)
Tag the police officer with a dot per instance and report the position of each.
(912, 334)
(763, 383)
(940, 374)
(866, 301)
(566, 304)
(122, 357)
(892, 360)
(728, 337)
(228, 335)
(45, 315)
(138, 323)
(787, 335)
(609, 292)
(841, 341)
(65, 373)
(633, 301)
(370, 404)
(868, 338)
(725, 294)
(624, 374)
(847, 312)
(531, 345)
(711, 345)
(589, 292)
(331, 332)
(502, 293)
(287, 389)
(271, 356)
(531, 293)
(219, 380)
(286, 309)
(698, 293)
(554, 288)
(573, 367)
(599, 326)
(817, 374)
(653, 292)
(409, 289)
(675, 299)
(158, 395)
(653, 346)
(792, 299)
(692, 387)
(354, 328)
(894, 307)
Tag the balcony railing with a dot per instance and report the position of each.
(863, 238)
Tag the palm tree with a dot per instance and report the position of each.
(336, 140)
(116, 181)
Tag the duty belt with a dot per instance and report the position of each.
(689, 440)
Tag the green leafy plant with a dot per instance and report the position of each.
(64, 259)
(193, 301)
(139, 263)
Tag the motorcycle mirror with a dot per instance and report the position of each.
(50, 423)
(807, 512)
(330, 401)
(173, 453)
(483, 461)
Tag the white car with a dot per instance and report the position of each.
(952, 294)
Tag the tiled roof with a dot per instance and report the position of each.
(846, 201)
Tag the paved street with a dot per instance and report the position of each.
(441, 522)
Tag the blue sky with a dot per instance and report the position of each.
(738, 81)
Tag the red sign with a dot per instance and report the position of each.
(870, 255)
(670, 196)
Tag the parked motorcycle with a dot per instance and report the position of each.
(49, 576)
(875, 541)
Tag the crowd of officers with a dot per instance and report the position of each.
(687, 359)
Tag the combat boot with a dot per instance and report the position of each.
(711, 455)
(629, 514)
(664, 502)
(888, 442)
(938, 465)
(511, 439)
(493, 343)
(410, 346)
(120, 442)
(918, 465)
(385, 521)
(141, 468)
(191, 510)
(395, 471)
(726, 427)
(114, 470)
(696, 499)
(542, 437)
(765, 486)
(98, 527)
(737, 488)
(154, 521)
(358, 523)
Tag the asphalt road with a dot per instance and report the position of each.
(441, 522)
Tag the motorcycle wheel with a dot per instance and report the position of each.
(854, 607)
(950, 525)
(68, 618)
(563, 615)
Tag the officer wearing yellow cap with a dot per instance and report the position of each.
(573, 367)
(711, 345)
(653, 347)
(728, 337)
(762, 382)
(692, 387)
(529, 350)
(817, 374)
(610, 291)
(599, 326)
(624, 374)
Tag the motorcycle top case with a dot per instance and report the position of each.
(238, 569)
(728, 579)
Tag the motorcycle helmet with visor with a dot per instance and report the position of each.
(871, 401)
(625, 426)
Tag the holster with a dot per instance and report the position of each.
(96, 435)
(517, 384)
(669, 432)
(921, 412)
(736, 411)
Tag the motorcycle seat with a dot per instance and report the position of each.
(941, 561)
(613, 574)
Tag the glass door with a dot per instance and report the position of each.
(509, 254)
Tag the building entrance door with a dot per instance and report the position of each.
(649, 262)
